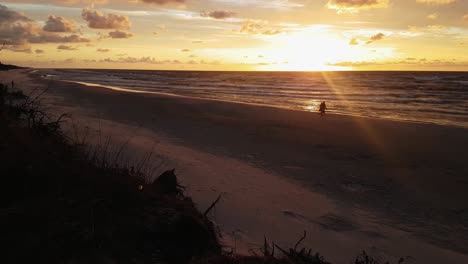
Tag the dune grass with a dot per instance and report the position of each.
(61, 205)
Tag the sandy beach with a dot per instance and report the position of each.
(394, 189)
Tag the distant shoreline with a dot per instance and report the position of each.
(7, 67)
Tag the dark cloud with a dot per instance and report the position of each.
(219, 14)
(375, 38)
(120, 34)
(23, 33)
(100, 20)
(59, 24)
(103, 50)
(18, 30)
(186, 50)
(66, 47)
(7, 15)
(39, 51)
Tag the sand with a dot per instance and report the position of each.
(394, 189)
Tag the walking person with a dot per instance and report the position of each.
(322, 108)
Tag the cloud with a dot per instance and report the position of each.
(353, 6)
(70, 60)
(258, 27)
(62, 2)
(7, 15)
(375, 38)
(66, 47)
(23, 33)
(353, 41)
(436, 27)
(148, 60)
(103, 50)
(163, 2)
(252, 26)
(219, 14)
(271, 4)
(433, 16)
(120, 34)
(23, 49)
(59, 24)
(407, 61)
(18, 30)
(271, 32)
(186, 50)
(39, 51)
(99, 20)
(465, 17)
(436, 2)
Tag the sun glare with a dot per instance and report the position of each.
(309, 50)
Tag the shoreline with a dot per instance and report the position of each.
(333, 112)
(329, 168)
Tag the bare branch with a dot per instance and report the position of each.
(300, 240)
(212, 205)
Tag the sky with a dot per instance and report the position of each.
(243, 35)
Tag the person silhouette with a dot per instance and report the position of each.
(12, 84)
(322, 108)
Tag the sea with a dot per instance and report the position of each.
(424, 97)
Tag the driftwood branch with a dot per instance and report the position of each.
(212, 205)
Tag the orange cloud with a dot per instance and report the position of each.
(219, 14)
(375, 38)
(120, 34)
(18, 30)
(436, 2)
(59, 24)
(66, 47)
(258, 27)
(352, 6)
(99, 20)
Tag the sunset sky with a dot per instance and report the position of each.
(236, 34)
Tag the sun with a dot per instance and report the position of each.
(311, 49)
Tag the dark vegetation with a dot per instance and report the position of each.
(59, 204)
(6, 67)
(64, 203)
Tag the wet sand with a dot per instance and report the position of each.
(391, 188)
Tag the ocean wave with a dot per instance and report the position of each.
(425, 97)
